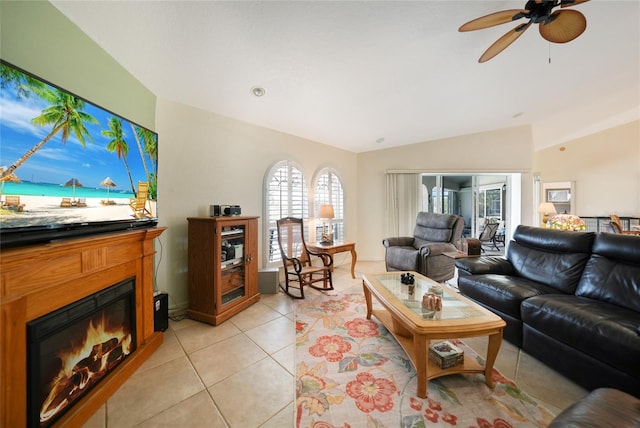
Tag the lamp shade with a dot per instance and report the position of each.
(547, 208)
(325, 211)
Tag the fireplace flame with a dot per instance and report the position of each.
(101, 350)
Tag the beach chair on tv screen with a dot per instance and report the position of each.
(66, 203)
(139, 203)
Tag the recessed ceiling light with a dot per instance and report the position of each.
(380, 140)
(258, 91)
(517, 115)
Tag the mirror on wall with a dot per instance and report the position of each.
(561, 194)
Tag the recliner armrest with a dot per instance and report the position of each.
(398, 241)
(436, 248)
(483, 265)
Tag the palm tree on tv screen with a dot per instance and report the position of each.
(147, 143)
(118, 145)
(65, 113)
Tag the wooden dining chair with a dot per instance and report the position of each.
(616, 225)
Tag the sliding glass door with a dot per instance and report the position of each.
(478, 198)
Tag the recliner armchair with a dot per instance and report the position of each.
(433, 235)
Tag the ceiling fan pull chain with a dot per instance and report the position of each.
(549, 52)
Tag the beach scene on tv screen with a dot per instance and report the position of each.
(64, 160)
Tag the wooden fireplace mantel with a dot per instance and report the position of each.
(39, 279)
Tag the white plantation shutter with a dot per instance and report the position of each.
(287, 196)
(329, 190)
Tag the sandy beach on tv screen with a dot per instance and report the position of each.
(46, 210)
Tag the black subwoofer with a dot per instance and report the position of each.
(161, 312)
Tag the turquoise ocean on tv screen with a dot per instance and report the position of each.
(27, 188)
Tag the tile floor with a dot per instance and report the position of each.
(240, 374)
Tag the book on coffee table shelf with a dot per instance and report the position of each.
(445, 354)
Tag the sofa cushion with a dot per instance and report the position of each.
(484, 264)
(402, 258)
(501, 292)
(603, 407)
(550, 256)
(613, 272)
(604, 331)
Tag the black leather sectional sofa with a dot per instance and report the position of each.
(570, 299)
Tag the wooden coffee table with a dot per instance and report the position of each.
(413, 328)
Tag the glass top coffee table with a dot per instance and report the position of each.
(414, 327)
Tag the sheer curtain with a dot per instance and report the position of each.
(404, 201)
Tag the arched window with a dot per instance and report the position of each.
(286, 196)
(328, 189)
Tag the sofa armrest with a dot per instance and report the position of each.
(436, 249)
(398, 241)
(483, 265)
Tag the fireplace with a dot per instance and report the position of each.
(67, 273)
(72, 349)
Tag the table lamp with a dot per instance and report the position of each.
(325, 212)
(546, 209)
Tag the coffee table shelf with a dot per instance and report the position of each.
(433, 371)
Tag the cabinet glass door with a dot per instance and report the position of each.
(232, 262)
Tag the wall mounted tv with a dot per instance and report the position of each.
(69, 167)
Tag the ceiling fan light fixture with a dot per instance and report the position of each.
(560, 26)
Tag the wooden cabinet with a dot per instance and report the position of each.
(223, 267)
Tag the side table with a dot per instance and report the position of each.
(338, 247)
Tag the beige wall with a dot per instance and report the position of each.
(605, 167)
(502, 151)
(39, 39)
(208, 159)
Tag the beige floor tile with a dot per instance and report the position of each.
(148, 393)
(265, 388)
(223, 359)
(197, 411)
(182, 322)
(286, 358)
(98, 420)
(274, 335)
(169, 350)
(546, 385)
(200, 335)
(254, 316)
(278, 302)
(283, 419)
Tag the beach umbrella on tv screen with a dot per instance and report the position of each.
(73, 183)
(108, 183)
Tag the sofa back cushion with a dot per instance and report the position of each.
(550, 256)
(612, 274)
(433, 227)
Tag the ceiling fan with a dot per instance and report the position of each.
(560, 26)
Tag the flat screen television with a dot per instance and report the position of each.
(68, 167)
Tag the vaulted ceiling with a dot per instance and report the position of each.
(367, 75)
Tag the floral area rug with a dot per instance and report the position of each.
(352, 373)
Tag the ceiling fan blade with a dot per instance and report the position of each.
(562, 26)
(494, 19)
(503, 42)
(569, 3)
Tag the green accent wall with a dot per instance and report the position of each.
(36, 37)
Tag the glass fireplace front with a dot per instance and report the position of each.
(73, 348)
